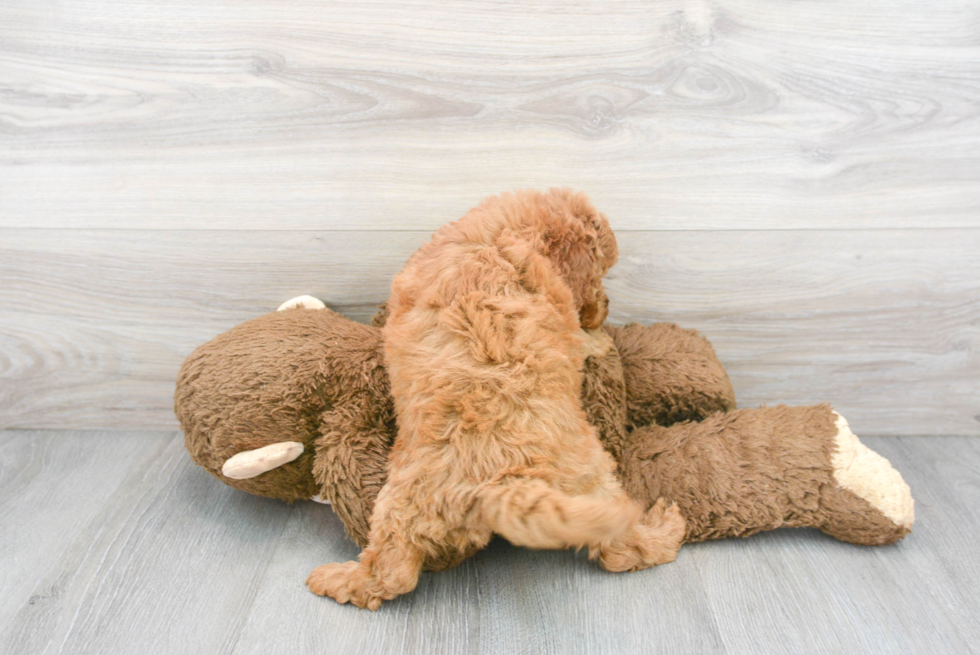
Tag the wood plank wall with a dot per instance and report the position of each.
(798, 180)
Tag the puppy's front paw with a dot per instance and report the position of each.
(345, 583)
(332, 580)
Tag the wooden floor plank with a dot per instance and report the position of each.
(504, 600)
(135, 549)
(437, 617)
(386, 115)
(51, 488)
(884, 324)
(945, 480)
(550, 602)
(165, 565)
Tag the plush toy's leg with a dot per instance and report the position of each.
(671, 375)
(351, 463)
(307, 302)
(742, 472)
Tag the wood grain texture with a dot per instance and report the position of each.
(682, 114)
(799, 180)
(159, 557)
(38, 478)
(162, 556)
(885, 325)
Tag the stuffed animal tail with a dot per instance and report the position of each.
(528, 512)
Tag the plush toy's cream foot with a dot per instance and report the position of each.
(250, 463)
(307, 302)
(871, 477)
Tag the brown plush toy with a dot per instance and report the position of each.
(295, 405)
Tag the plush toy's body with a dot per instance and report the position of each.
(296, 405)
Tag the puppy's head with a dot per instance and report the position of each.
(580, 243)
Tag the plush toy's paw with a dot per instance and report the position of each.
(871, 477)
(345, 583)
(307, 302)
(597, 343)
(654, 539)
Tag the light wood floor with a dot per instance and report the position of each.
(114, 542)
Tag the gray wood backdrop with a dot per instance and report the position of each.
(798, 180)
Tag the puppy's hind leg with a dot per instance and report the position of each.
(529, 512)
(654, 539)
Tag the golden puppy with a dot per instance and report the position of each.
(485, 348)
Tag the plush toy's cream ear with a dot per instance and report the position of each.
(307, 302)
(250, 463)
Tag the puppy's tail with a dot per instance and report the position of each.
(529, 512)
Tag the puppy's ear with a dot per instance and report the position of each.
(381, 316)
(574, 250)
(594, 309)
(607, 248)
(587, 223)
